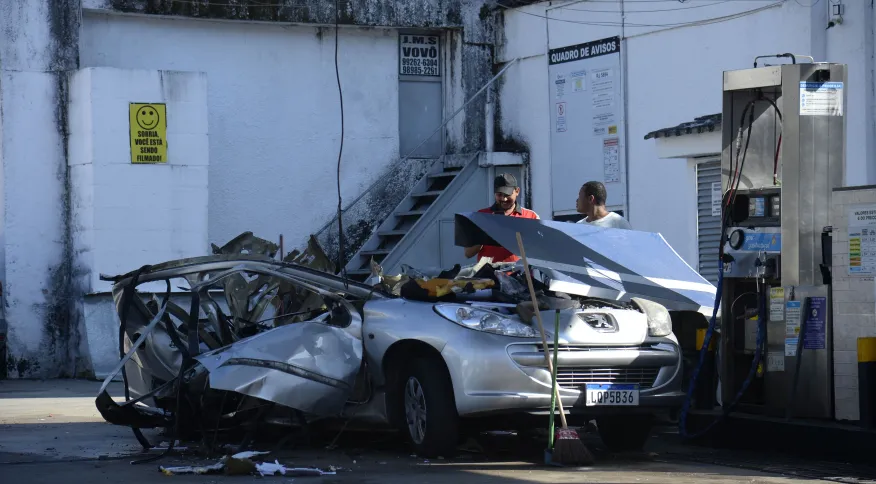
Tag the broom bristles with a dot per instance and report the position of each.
(569, 450)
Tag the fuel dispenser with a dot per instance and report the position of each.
(783, 153)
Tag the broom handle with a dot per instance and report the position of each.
(547, 356)
(554, 377)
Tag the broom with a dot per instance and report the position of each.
(548, 457)
(568, 448)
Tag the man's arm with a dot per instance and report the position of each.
(472, 251)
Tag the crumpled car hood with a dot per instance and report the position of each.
(308, 366)
(585, 260)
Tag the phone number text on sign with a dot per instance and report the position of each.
(419, 55)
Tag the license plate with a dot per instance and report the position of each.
(612, 395)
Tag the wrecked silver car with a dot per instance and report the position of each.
(429, 355)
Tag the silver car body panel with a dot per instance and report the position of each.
(492, 373)
(309, 366)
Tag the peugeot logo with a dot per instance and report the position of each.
(601, 323)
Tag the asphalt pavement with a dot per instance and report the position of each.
(50, 432)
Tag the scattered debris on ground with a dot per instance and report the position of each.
(242, 464)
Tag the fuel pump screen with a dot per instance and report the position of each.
(757, 207)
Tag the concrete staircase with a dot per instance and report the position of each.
(406, 219)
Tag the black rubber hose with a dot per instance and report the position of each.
(803, 317)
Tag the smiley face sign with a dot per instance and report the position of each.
(148, 117)
(148, 125)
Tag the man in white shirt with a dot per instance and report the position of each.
(591, 203)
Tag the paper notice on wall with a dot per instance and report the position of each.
(610, 160)
(821, 99)
(579, 81)
(717, 197)
(603, 101)
(603, 90)
(602, 79)
(561, 117)
(560, 84)
(775, 361)
(777, 304)
(790, 346)
(862, 240)
(603, 124)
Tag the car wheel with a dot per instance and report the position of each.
(429, 410)
(626, 433)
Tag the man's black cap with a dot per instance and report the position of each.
(505, 183)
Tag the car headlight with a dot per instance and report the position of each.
(659, 321)
(484, 320)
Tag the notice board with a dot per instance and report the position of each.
(587, 136)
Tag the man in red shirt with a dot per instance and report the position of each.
(506, 190)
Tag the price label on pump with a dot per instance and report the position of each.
(777, 304)
(792, 319)
(792, 327)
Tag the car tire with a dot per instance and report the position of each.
(428, 409)
(627, 433)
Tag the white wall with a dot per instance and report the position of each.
(126, 215)
(854, 305)
(674, 75)
(524, 98)
(852, 43)
(274, 118)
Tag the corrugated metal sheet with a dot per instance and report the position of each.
(708, 226)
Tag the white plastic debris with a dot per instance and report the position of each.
(274, 468)
(271, 468)
(171, 471)
(248, 454)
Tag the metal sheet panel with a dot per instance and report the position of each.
(708, 225)
(813, 397)
(420, 113)
(752, 78)
(594, 261)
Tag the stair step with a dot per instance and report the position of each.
(411, 213)
(359, 272)
(375, 252)
(433, 193)
(390, 233)
(444, 174)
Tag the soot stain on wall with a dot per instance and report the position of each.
(361, 218)
(61, 324)
(422, 13)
